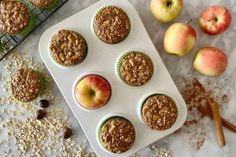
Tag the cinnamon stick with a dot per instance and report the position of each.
(225, 123)
(218, 123)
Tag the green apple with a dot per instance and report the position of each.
(166, 10)
(179, 39)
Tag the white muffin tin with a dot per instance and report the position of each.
(102, 59)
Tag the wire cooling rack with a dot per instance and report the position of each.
(10, 42)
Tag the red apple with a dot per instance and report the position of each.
(92, 91)
(215, 20)
(210, 61)
(166, 10)
(179, 39)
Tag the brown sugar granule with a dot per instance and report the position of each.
(44, 103)
(67, 132)
(159, 112)
(111, 24)
(40, 114)
(117, 135)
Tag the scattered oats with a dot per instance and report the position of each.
(33, 137)
(158, 152)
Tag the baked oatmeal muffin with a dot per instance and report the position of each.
(159, 112)
(68, 47)
(27, 84)
(111, 24)
(15, 18)
(135, 68)
(47, 4)
(117, 135)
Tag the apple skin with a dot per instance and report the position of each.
(215, 20)
(210, 61)
(179, 39)
(92, 91)
(166, 10)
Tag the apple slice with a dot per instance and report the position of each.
(92, 91)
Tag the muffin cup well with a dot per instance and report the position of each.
(81, 77)
(106, 119)
(141, 104)
(96, 33)
(121, 60)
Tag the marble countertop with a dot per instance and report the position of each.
(178, 67)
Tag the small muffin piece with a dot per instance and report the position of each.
(44, 3)
(111, 24)
(135, 68)
(68, 47)
(26, 85)
(159, 112)
(15, 18)
(117, 135)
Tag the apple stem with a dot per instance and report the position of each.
(189, 21)
(214, 19)
(169, 4)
